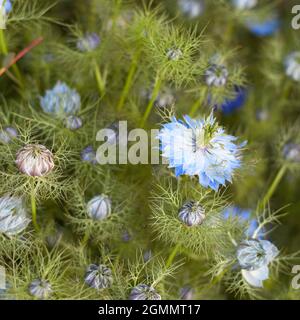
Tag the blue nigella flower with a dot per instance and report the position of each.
(263, 28)
(202, 148)
(89, 42)
(230, 105)
(61, 100)
(244, 216)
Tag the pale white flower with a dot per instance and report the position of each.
(254, 257)
(256, 277)
(13, 215)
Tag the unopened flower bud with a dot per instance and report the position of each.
(99, 207)
(291, 152)
(216, 75)
(89, 42)
(174, 54)
(88, 154)
(191, 213)
(61, 100)
(35, 160)
(73, 123)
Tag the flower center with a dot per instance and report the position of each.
(201, 138)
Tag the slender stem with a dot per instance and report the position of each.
(33, 211)
(195, 107)
(273, 187)
(152, 100)
(128, 82)
(4, 50)
(100, 81)
(3, 45)
(172, 256)
(85, 238)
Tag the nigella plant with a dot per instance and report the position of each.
(61, 100)
(200, 148)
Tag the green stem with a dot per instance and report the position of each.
(4, 50)
(100, 81)
(152, 100)
(195, 107)
(3, 45)
(128, 82)
(172, 256)
(33, 211)
(85, 238)
(273, 187)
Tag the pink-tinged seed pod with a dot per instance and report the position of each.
(35, 160)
